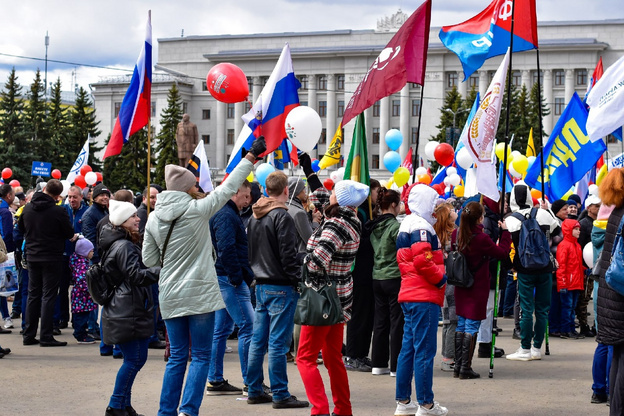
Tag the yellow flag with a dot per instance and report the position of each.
(332, 154)
(530, 145)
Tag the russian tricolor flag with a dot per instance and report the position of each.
(268, 115)
(134, 113)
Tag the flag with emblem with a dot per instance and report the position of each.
(332, 154)
(198, 165)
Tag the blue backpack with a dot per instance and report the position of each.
(533, 250)
(615, 273)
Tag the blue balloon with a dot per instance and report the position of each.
(394, 139)
(262, 172)
(392, 161)
(315, 165)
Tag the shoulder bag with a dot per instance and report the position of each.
(615, 273)
(318, 308)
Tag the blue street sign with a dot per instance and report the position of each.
(41, 169)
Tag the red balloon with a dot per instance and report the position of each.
(56, 174)
(444, 154)
(14, 183)
(7, 173)
(328, 184)
(85, 169)
(439, 188)
(100, 177)
(80, 181)
(227, 83)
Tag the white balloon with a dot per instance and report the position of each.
(335, 176)
(447, 181)
(513, 172)
(90, 178)
(66, 186)
(454, 179)
(588, 254)
(451, 170)
(464, 159)
(593, 189)
(341, 173)
(303, 127)
(516, 153)
(430, 149)
(421, 171)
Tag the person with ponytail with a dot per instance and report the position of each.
(388, 322)
(471, 302)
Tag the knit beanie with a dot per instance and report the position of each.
(557, 205)
(571, 202)
(604, 212)
(295, 185)
(575, 198)
(83, 246)
(100, 189)
(178, 178)
(351, 193)
(119, 211)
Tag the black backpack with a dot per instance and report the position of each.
(533, 251)
(99, 288)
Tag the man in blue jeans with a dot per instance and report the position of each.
(273, 259)
(235, 276)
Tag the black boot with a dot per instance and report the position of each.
(485, 350)
(110, 411)
(459, 337)
(468, 346)
(131, 412)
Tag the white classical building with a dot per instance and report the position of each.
(331, 64)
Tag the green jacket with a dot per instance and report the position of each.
(188, 281)
(383, 235)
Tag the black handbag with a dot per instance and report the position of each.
(457, 272)
(318, 308)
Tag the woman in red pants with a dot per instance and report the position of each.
(331, 251)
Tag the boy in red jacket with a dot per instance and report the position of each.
(569, 276)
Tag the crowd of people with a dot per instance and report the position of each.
(186, 270)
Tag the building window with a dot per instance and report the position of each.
(204, 86)
(230, 136)
(414, 86)
(473, 81)
(341, 106)
(340, 82)
(581, 77)
(206, 138)
(541, 78)
(230, 110)
(559, 106)
(559, 77)
(322, 108)
(263, 80)
(396, 108)
(322, 82)
(185, 108)
(117, 108)
(376, 108)
(303, 79)
(517, 78)
(205, 114)
(250, 83)
(304, 103)
(414, 135)
(375, 162)
(415, 107)
(153, 109)
(323, 138)
(375, 135)
(451, 79)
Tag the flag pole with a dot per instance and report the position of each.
(149, 137)
(415, 157)
(539, 111)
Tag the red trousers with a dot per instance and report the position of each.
(328, 340)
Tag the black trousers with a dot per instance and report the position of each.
(43, 285)
(61, 308)
(388, 327)
(616, 382)
(360, 327)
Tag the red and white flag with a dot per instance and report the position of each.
(407, 162)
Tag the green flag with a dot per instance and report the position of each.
(357, 164)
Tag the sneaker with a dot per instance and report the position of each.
(436, 410)
(85, 340)
(8, 323)
(221, 388)
(290, 403)
(392, 373)
(229, 349)
(520, 355)
(516, 334)
(95, 336)
(380, 371)
(406, 409)
(263, 398)
(15, 315)
(447, 364)
(356, 364)
(536, 353)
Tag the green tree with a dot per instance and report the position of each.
(84, 124)
(533, 114)
(35, 126)
(15, 148)
(453, 109)
(57, 123)
(468, 102)
(523, 128)
(166, 146)
(128, 170)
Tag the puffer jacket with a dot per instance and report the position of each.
(571, 272)
(129, 315)
(610, 303)
(188, 281)
(90, 220)
(419, 254)
(383, 236)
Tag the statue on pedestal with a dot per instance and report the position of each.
(187, 138)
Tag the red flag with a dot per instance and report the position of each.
(407, 162)
(598, 71)
(403, 60)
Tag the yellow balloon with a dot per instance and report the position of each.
(401, 176)
(520, 164)
(250, 178)
(459, 191)
(500, 151)
(601, 174)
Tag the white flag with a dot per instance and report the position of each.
(198, 164)
(81, 160)
(480, 137)
(606, 103)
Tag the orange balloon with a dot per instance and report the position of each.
(424, 178)
(535, 193)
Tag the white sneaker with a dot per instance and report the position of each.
(406, 409)
(392, 373)
(228, 349)
(536, 353)
(380, 371)
(520, 355)
(8, 323)
(436, 410)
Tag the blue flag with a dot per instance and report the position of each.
(568, 155)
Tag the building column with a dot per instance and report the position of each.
(462, 88)
(384, 126)
(332, 111)
(526, 79)
(483, 83)
(238, 121)
(220, 139)
(569, 85)
(256, 89)
(404, 119)
(550, 101)
(312, 100)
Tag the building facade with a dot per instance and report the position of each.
(331, 64)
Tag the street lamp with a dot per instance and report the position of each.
(452, 132)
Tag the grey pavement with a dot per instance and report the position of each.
(75, 380)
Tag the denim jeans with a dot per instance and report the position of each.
(467, 325)
(4, 308)
(105, 348)
(92, 322)
(534, 292)
(273, 328)
(79, 322)
(554, 314)
(155, 293)
(199, 328)
(237, 310)
(134, 357)
(567, 303)
(418, 351)
(600, 368)
(485, 329)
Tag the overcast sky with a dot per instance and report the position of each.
(110, 33)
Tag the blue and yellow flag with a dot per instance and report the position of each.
(568, 155)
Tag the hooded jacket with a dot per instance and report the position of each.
(45, 226)
(570, 274)
(521, 203)
(272, 240)
(302, 224)
(384, 231)
(188, 281)
(90, 220)
(419, 254)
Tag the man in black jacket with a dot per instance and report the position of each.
(46, 226)
(273, 259)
